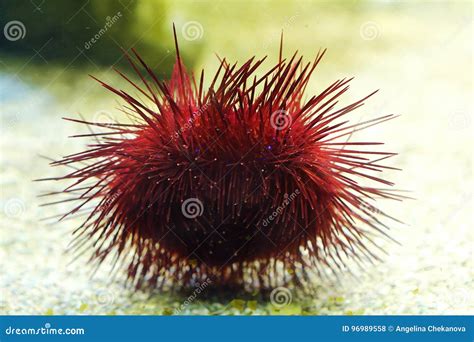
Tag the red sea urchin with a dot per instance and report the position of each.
(239, 183)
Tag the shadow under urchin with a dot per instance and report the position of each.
(243, 184)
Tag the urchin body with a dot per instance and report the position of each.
(227, 183)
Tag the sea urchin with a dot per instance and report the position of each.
(232, 182)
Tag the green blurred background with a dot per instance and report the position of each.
(419, 53)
